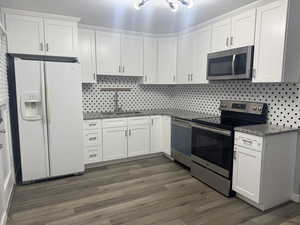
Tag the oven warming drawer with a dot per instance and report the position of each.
(212, 179)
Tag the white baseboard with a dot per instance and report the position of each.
(3, 219)
(295, 197)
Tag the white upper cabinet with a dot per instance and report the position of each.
(234, 32)
(25, 34)
(38, 35)
(201, 47)
(132, 55)
(150, 60)
(185, 59)
(221, 35)
(61, 38)
(108, 47)
(120, 55)
(167, 60)
(243, 29)
(87, 55)
(270, 42)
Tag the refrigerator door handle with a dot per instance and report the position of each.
(47, 99)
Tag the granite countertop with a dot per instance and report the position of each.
(264, 129)
(187, 115)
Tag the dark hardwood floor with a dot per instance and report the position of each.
(152, 191)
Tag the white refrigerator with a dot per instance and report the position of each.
(48, 98)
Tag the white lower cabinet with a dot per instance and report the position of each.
(114, 143)
(112, 139)
(92, 141)
(246, 181)
(263, 168)
(166, 134)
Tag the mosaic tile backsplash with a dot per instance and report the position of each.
(283, 98)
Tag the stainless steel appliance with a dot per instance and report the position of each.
(213, 141)
(230, 64)
(181, 141)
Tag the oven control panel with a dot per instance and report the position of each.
(245, 107)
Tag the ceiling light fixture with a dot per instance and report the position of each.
(173, 4)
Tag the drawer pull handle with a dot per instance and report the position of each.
(92, 124)
(92, 138)
(93, 155)
(247, 142)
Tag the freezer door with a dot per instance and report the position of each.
(29, 77)
(65, 118)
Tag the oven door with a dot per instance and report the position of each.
(230, 64)
(213, 148)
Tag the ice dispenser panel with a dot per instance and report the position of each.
(31, 105)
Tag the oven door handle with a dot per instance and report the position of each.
(212, 129)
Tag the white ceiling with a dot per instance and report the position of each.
(155, 17)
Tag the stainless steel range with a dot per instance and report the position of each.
(213, 141)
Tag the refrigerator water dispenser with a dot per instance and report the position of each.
(31, 105)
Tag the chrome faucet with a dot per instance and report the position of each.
(116, 101)
(117, 108)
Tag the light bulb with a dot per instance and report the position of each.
(139, 4)
(173, 5)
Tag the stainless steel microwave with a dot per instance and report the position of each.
(233, 64)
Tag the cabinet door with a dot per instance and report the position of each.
(270, 42)
(25, 34)
(61, 38)
(221, 35)
(185, 59)
(132, 55)
(155, 128)
(114, 143)
(166, 134)
(201, 47)
(247, 173)
(243, 29)
(150, 60)
(167, 57)
(108, 47)
(138, 140)
(87, 54)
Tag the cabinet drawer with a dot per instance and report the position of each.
(138, 121)
(91, 138)
(111, 123)
(92, 155)
(248, 141)
(91, 124)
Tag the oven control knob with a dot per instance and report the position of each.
(260, 108)
(255, 108)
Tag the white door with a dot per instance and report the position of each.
(138, 140)
(132, 55)
(185, 59)
(166, 134)
(150, 60)
(201, 48)
(108, 48)
(25, 34)
(270, 42)
(115, 143)
(61, 38)
(221, 35)
(32, 121)
(167, 59)
(243, 29)
(247, 173)
(155, 129)
(6, 164)
(65, 120)
(87, 55)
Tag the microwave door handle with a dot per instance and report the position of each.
(233, 64)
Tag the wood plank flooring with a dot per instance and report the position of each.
(152, 191)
